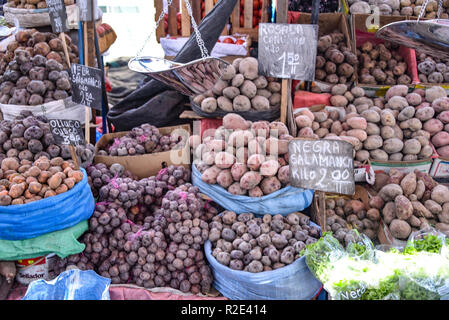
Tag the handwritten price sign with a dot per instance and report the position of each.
(287, 51)
(324, 165)
(86, 85)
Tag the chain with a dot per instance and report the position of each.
(199, 40)
(161, 16)
(423, 10)
(440, 8)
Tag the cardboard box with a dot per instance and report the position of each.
(403, 166)
(327, 23)
(146, 165)
(361, 33)
(440, 168)
(318, 214)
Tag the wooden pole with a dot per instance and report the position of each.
(281, 17)
(86, 62)
(67, 57)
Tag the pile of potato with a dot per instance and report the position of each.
(431, 69)
(26, 181)
(244, 157)
(335, 61)
(382, 64)
(140, 140)
(28, 137)
(33, 4)
(411, 202)
(397, 127)
(241, 88)
(157, 242)
(254, 244)
(99, 175)
(343, 215)
(33, 68)
(399, 7)
(163, 250)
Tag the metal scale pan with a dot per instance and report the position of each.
(429, 36)
(195, 77)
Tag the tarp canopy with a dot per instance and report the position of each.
(156, 103)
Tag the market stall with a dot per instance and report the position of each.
(278, 151)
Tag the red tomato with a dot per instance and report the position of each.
(260, 13)
(218, 40)
(242, 21)
(255, 21)
(255, 4)
(178, 17)
(203, 5)
(172, 38)
(228, 40)
(240, 41)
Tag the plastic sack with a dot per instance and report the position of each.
(270, 115)
(172, 46)
(26, 221)
(283, 201)
(292, 282)
(70, 285)
(59, 109)
(372, 274)
(63, 243)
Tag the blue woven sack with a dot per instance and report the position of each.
(292, 282)
(26, 221)
(283, 201)
(70, 285)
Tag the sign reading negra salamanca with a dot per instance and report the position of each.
(288, 50)
(58, 15)
(67, 131)
(324, 165)
(86, 85)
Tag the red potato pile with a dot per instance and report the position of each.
(33, 68)
(25, 181)
(343, 215)
(335, 61)
(256, 244)
(241, 88)
(244, 157)
(397, 127)
(411, 202)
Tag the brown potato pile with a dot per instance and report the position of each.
(33, 68)
(411, 202)
(25, 181)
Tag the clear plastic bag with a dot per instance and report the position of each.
(420, 271)
(70, 285)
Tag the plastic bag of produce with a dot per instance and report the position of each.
(371, 274)
(63, 243)
(26, 221)
(292, 282)
(70, 285)
(283, 201)
(58, 109)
